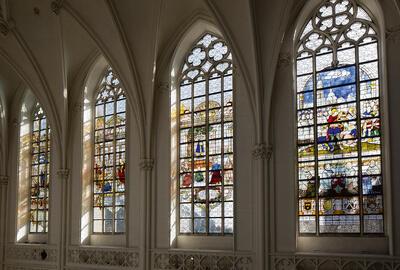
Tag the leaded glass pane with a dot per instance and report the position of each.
(206, 143)
(338, 122)
(109, 157)
(40, 172)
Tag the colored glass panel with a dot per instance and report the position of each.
(338, 123)
(206, 144)
(109, 161)
(40, 172)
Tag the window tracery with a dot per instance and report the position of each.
(109, 166)
(205, 136)
(338, 122)
(40, 172)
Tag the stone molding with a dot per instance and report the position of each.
(28, 267)
(171, 259)
(328, 262)
(63, 173)
(261, 151)
(164, 87)
(284, 60)
(56, 6)
(147, 164)
(393, 34)
(118, 258)
(31, 253)
(3, 180)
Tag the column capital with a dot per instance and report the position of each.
(393, 33)
(56, 6)
(164, 87)
(63, 173)
(3, 180)
(146, 164)
(262, 151)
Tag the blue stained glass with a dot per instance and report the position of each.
(340, 76)
(337, 95)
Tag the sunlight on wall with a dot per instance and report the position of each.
(86, 170)
(23, 177)
(173, 224)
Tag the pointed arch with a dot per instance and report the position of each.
(339, 139)
(202, 112)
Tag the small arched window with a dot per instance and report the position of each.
(109, 157)
(40, 172)
(205, 139)
(338, 122)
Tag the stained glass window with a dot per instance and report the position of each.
(109, 157)
(206, 178)
(338, 122)
(40, 172)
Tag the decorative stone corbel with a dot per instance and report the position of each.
(284, 60)
(63, 173)
(261, 151)
(6, 26)
(393, 33)
(56, 6)
(146, 164)
(163, 87)
(3, 180)
(15, 122)
(78, 107)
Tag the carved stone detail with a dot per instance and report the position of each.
(27, 253)
(261, 151)
(110, 257)
(78, 107)
(393, 34)
(56, 6)
(63, 173)
(164, 87)
(284, 60)
(146, 164)
(3, 180)
(28, 267)
(323, 262)
(200, 260)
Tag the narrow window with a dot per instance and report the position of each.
(205, 137)
(338, 122)
(109, 157)
(40, 172)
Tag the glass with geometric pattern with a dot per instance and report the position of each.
(109, 157)
(339, 142)
(205, 119)
(40, 172)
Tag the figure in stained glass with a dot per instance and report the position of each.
(338, 56)
(109, 157)
(40, 163)
(205, 102)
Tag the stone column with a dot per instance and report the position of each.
(3, 218)
(146, 166)
(261, 154)
(63, 176)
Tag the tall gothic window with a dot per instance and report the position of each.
(40, 172)
(109, 157)
(205, 139)
(338, 122)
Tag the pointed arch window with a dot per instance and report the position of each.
(338, 122)
(205, 139)
(109, 157)
(40, 172)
